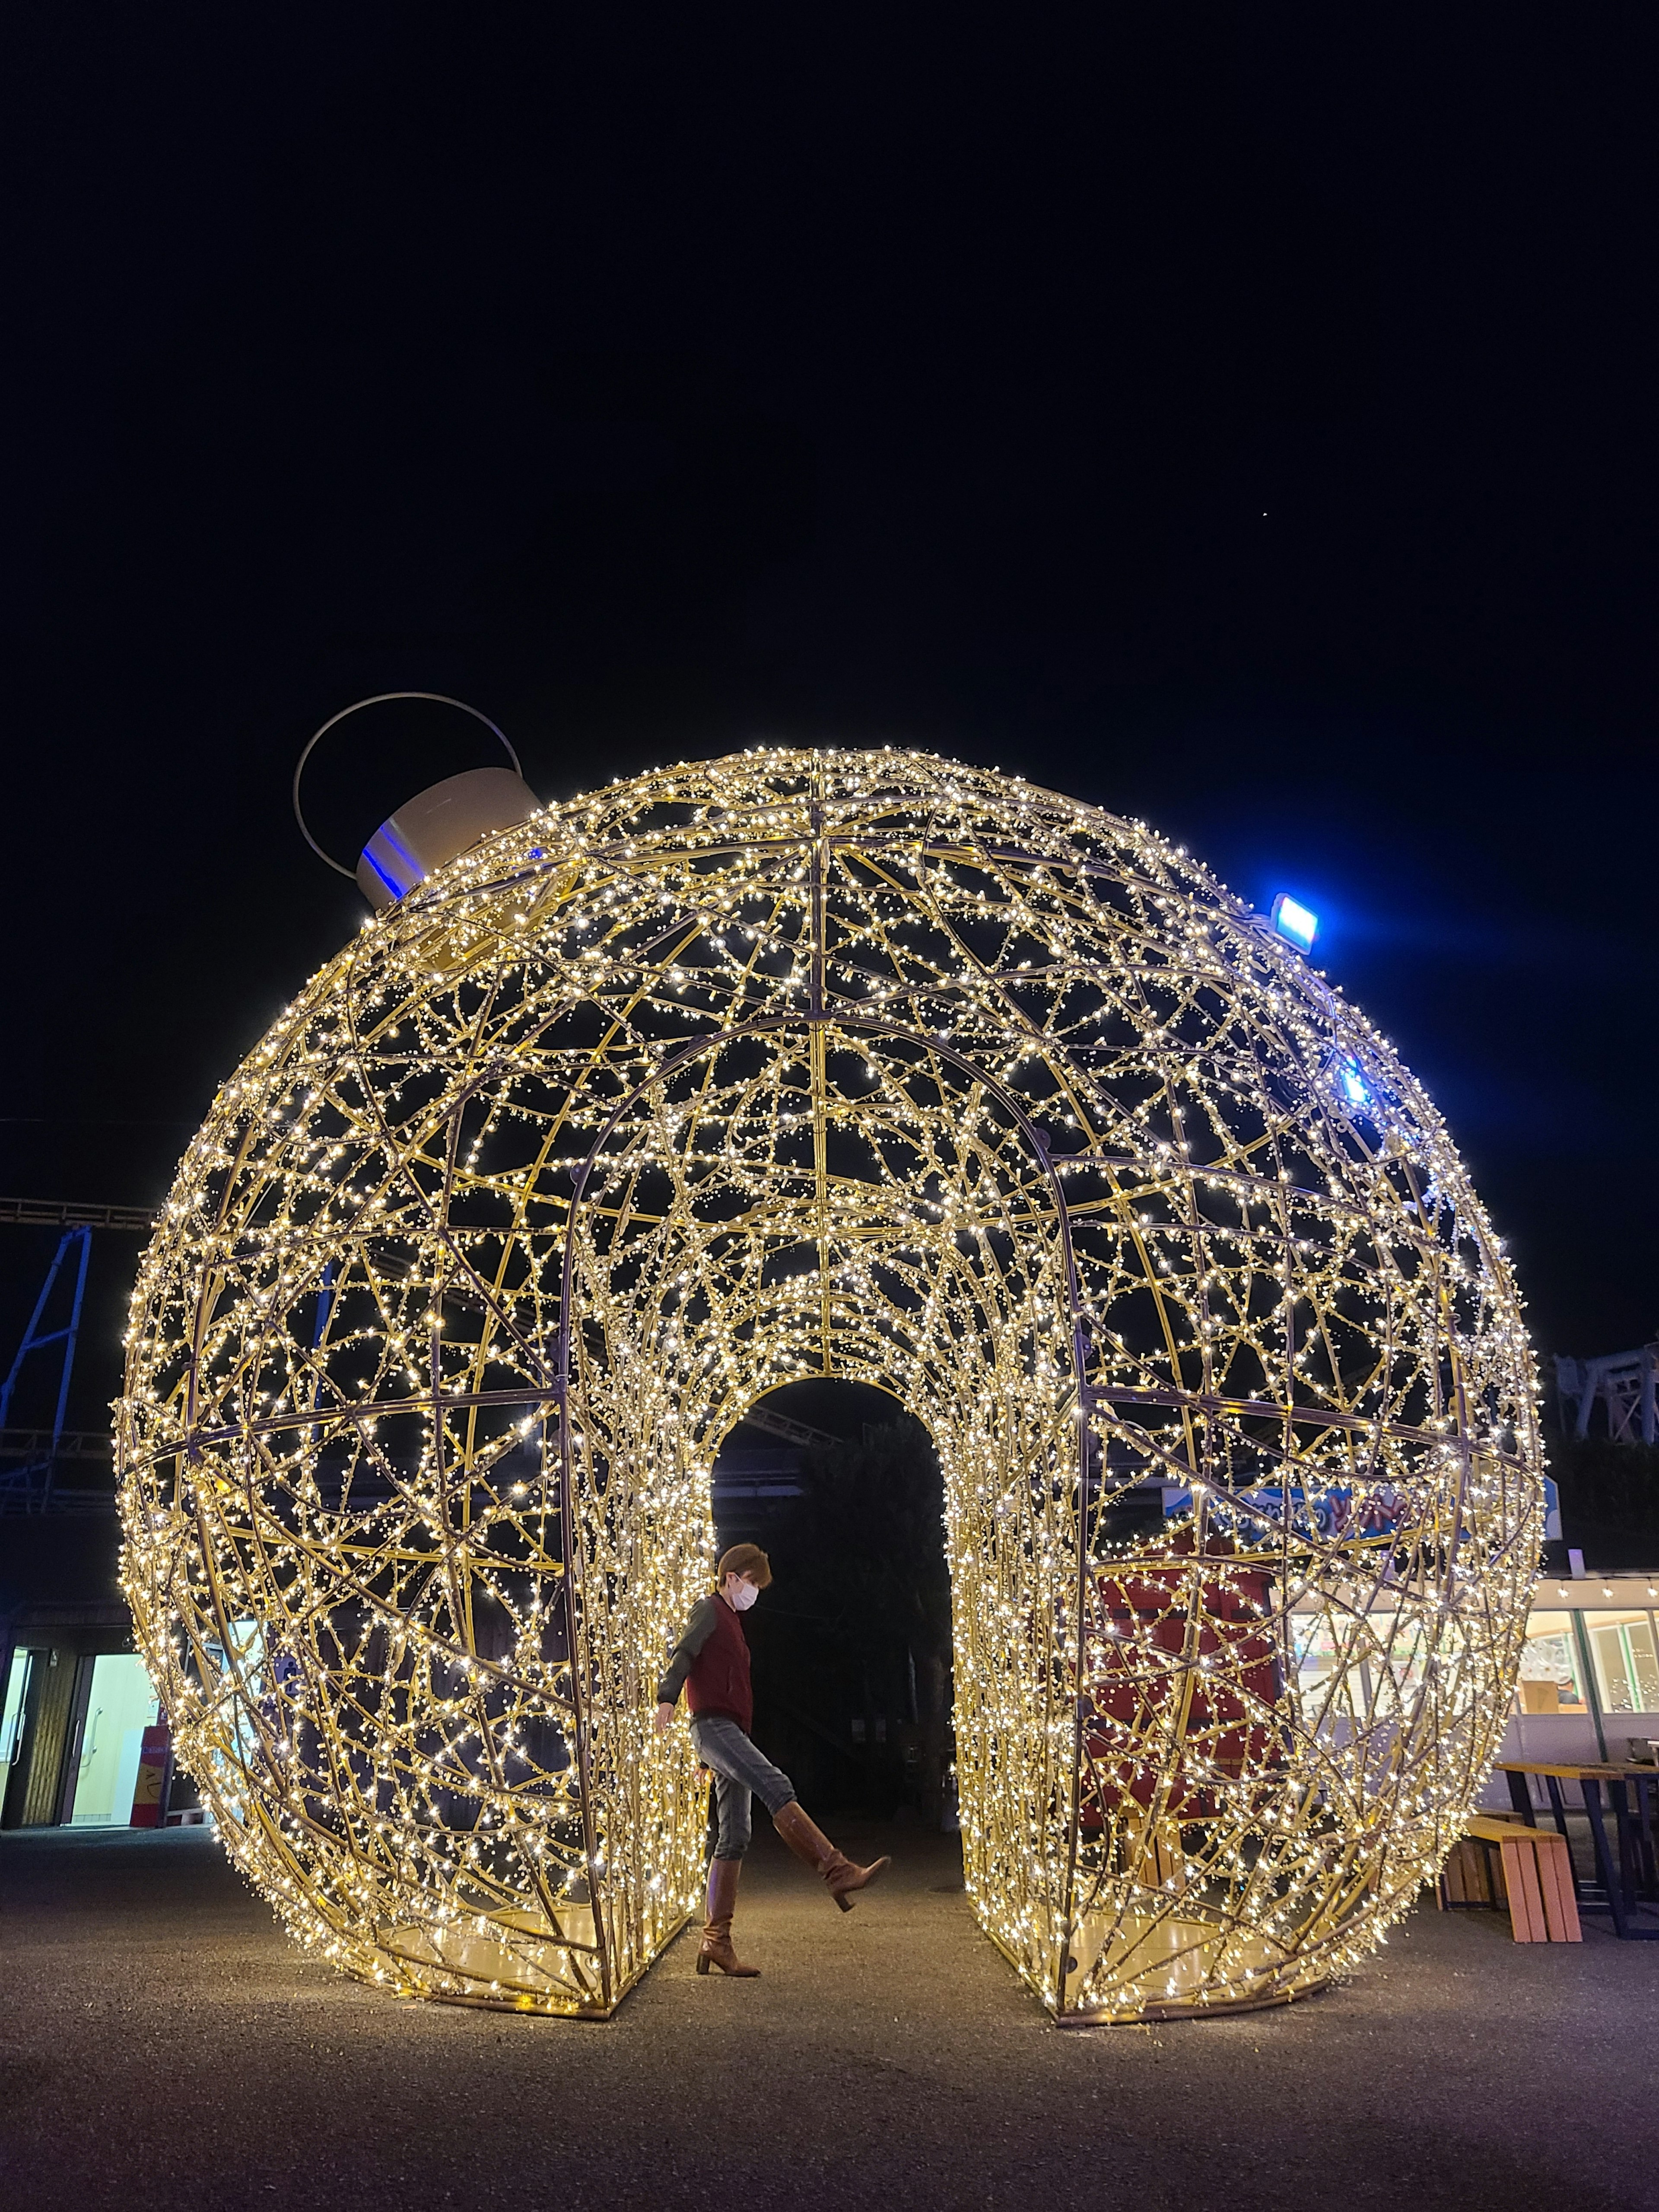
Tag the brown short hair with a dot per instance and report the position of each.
(745, 1559)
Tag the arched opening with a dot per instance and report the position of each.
(862, 1204)
(852, 1645)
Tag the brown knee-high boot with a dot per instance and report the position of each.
(810, 1844)
(715, 1948)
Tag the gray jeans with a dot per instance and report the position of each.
(739, 1772)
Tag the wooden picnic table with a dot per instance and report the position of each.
(1635, 1875)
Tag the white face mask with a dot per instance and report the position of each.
(743, 1595)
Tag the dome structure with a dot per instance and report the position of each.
(851, 1063)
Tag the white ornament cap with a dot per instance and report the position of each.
(436, 825)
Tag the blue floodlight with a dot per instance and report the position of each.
(1293, 920)
(1354, 1088)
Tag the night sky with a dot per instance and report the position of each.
(1242, 419)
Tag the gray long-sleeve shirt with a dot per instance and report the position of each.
(698, 1630)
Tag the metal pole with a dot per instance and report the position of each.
(83, 1237)
(29, 1340)
(1592, 1691)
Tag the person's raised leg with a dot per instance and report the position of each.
(842, 1876)
(723, 1746)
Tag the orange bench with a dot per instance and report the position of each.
(1501, 1863)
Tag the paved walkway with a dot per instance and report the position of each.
(161, 2045)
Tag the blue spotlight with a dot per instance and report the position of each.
(1294, 922)
(1354, 1087)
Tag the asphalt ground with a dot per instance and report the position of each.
(163, 2044)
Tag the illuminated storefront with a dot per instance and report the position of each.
(1589, 1671)
(1588, 1687)
(74, 1705)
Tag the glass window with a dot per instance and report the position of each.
(1549, 1667)
(1350, 1665)
(11, 1715)
(121, 1705)
(1315, 1648)
(1627, 1676)
(1405, 1663)
(242, 1673)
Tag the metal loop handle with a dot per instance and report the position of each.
(441, 698)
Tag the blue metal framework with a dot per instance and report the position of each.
(30, 1486)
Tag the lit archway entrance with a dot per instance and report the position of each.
(851, 1064)
(851, 1199)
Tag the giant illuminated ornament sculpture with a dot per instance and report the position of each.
(854, 1063)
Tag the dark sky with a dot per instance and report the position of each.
(1241, 418)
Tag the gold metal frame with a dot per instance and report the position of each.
(862, 1064)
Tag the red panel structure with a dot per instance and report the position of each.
(1185, 1674)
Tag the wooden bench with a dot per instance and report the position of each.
(1501, 1863)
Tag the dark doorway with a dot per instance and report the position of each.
(852, 1643)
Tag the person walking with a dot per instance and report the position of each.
(710, 1662)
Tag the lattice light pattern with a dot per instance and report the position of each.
(865, 1064)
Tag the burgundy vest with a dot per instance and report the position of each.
(719, 1679)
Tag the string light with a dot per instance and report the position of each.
(860, 1063)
